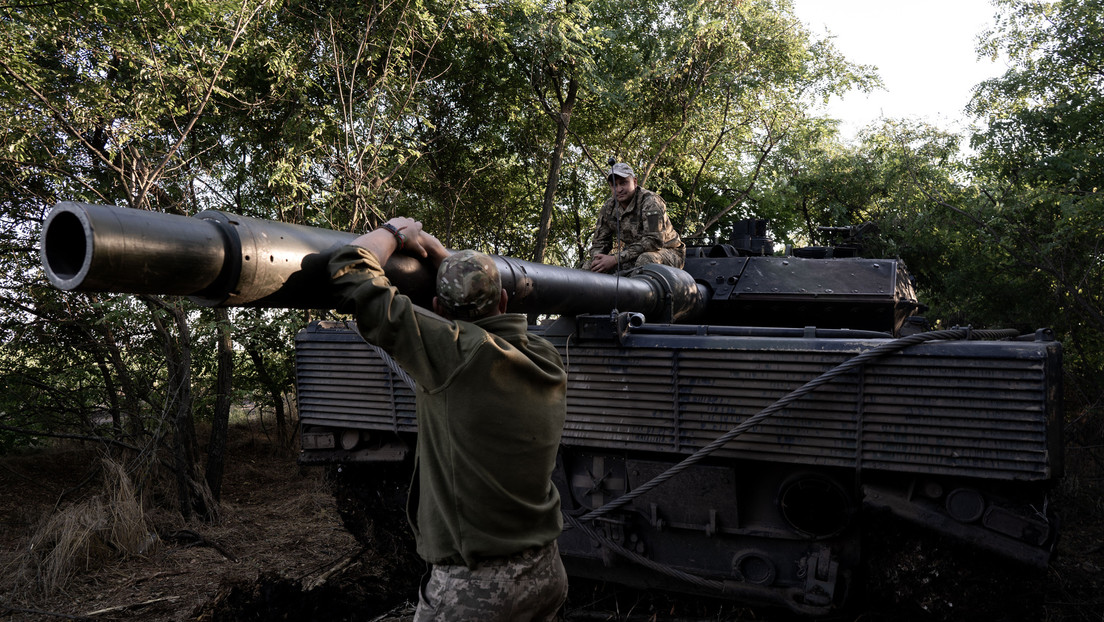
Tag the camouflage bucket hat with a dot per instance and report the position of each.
(468, 285)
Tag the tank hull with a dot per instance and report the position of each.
(962, 436)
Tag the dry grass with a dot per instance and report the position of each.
(84, 536)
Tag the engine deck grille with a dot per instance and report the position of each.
(974, 409)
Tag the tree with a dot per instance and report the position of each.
(554, 51)
(888, 178)
(96, 111)
(1039, 165)
(720, 87)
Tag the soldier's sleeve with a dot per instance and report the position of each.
(602, 241)
(390, 320)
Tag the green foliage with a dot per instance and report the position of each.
(270, 332)
(740, 94)
(889, 177)
(1039, 168)
(101, 98)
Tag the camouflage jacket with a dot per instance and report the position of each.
(644, 227)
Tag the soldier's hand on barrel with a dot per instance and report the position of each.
(408, 226)
(411, 232)
(603, 263)
(398, 235)
(435, 251)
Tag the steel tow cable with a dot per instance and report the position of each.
(845, 367)
(841, 369)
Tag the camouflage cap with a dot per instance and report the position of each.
(621, 170)
(468, 285)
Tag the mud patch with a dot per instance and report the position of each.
(271, 597)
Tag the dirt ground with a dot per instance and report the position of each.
(280, 553)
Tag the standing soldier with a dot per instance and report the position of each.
(633, 228)
(491, 400)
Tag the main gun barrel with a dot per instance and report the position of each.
(222, 259)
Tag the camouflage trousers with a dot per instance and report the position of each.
(664, 256)
(531, 585)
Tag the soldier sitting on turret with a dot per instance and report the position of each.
(643, 236)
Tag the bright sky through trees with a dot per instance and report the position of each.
(924, 52)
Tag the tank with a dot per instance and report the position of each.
(733, 428)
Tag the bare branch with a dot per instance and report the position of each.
(239, 29)
(60, 118)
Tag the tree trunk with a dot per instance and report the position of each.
(132, 393)
(562, 120)
(192, 493)
(216, 445)
(273, 391)
(112, 394)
